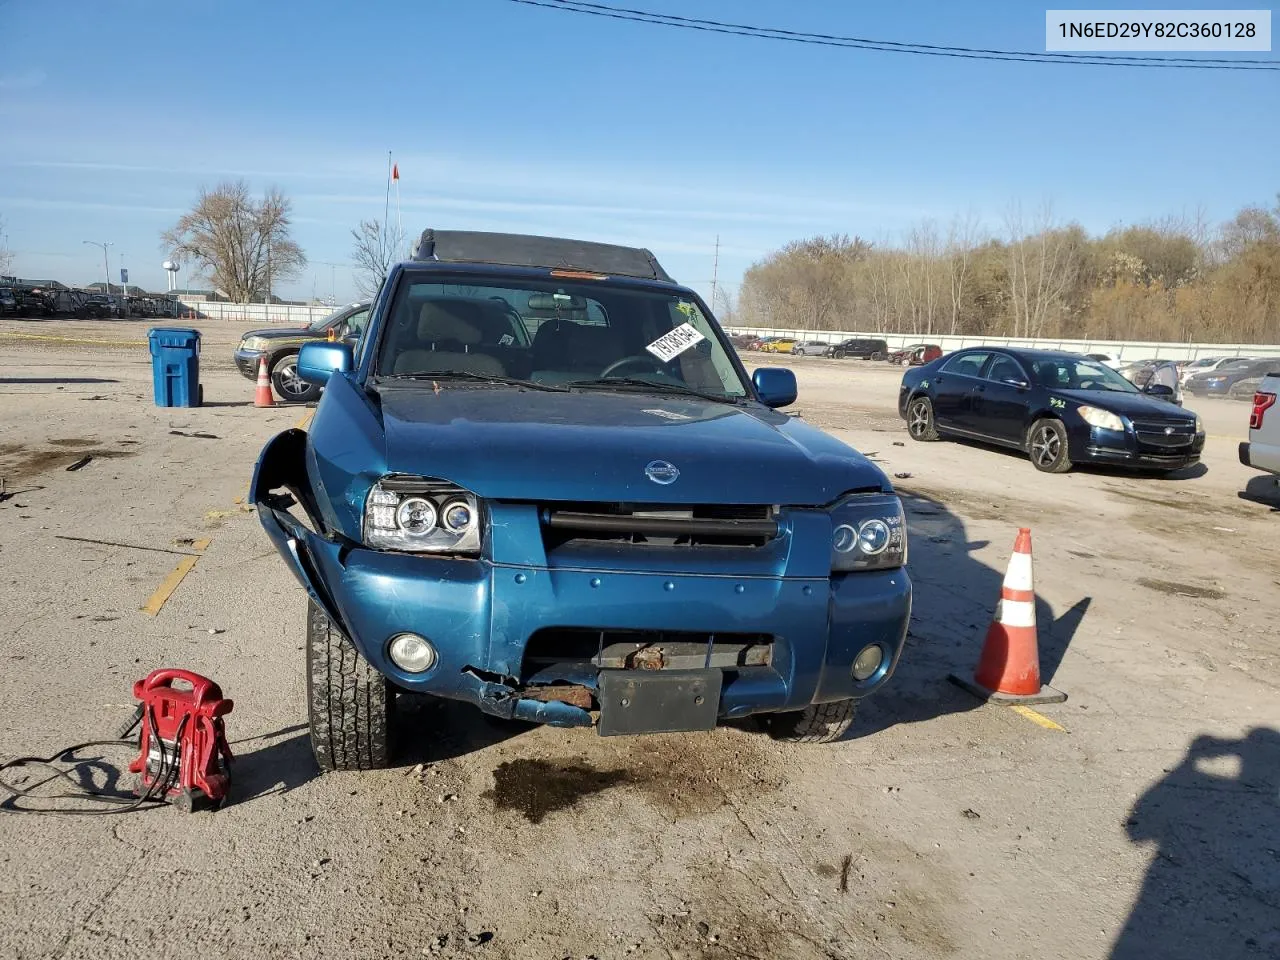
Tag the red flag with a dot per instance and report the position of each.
(395, 172)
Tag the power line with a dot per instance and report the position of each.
(890, 46)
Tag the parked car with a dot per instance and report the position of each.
(1060, 408)
(759, 342)
(811, 348)
(1220, 381)
(861, 347)
(1189, 368)
(778, 345)
(280, 345)
(916, 354)
(1243, 390)
(1262, 449)
(607, 523)
(742, 341)
(1144, 372)
(1106, 359)
(8, 302)
(97, 306)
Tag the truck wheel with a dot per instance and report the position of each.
(877, 356)
(816, 723)
(1047, 444)
(349, 704)
(290, 386)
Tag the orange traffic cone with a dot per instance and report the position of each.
(1009, 668)
(262, 396)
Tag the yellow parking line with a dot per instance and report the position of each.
(1039, 718)
(1218, 436)
(110, 343)
(170, 583)
(306, 419)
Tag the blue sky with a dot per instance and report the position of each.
(506, 117)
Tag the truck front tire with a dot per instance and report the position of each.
(350, 706)
(816, 723)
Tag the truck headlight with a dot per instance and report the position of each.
(1100, 418)
(868, 532)
(253, 343)
(1199, 424)
(422, 515)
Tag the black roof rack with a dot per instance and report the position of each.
(523, 250)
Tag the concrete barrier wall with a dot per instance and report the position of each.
(1123, 350)
(263, 314)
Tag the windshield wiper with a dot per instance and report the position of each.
(475, 378)
(656, 386)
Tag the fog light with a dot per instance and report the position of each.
(411, 653)
(868, 662)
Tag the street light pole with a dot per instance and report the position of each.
(106, 264)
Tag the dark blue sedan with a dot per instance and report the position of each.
(1061, 408)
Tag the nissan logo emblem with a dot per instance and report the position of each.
(659, 471)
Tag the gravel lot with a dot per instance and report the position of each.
(1140, 819)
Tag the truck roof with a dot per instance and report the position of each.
(525, 250)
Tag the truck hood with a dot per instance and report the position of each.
(511, 444)
(284, 333)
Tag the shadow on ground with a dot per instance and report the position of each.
(954, 599)
(1191, 472)
(428, 730)
(1263, 489)
(1213, 887)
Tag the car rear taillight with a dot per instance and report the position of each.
(1262, 402)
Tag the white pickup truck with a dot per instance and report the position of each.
(1262, 450)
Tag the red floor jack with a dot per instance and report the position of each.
(184, 755)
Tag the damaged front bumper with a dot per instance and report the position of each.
(480, 614)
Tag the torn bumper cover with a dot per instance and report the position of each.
(479, 614)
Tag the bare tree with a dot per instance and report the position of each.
(378, 245)
(1042, 267)
(243, 245)
(961, 239)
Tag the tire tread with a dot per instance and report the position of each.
(349, 704)
(817, 723)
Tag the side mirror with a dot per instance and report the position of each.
(317, 362)
(1158, 390)
(776, 386)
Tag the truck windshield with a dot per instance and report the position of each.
(589, 335)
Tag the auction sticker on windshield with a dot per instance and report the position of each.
(670, 345)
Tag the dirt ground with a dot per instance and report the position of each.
(1139, 819)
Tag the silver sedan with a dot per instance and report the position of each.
(811, 348)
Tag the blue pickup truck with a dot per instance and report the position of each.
(543, 483)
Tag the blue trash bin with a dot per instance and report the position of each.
(175, 366)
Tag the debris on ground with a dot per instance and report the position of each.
(83, 461)
(898, 443)
(903, 475)
(196, 433)
(971, 815)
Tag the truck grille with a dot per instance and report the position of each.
(1166, 434)
(677, 525)
(560, 647)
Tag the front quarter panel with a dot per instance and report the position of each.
(346, 455)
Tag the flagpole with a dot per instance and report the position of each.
(386, 208)
(399, 228)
